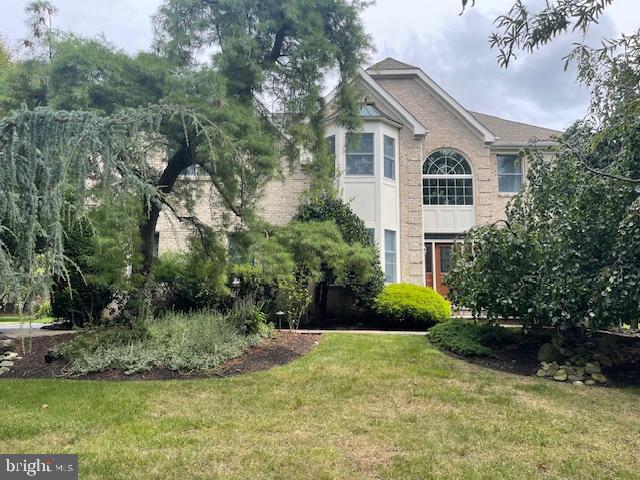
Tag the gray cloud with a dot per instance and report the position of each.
(535, 89)
(452, 49)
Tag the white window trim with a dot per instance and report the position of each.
(522, 172)
(395, 158)
(347, 153)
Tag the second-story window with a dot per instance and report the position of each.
(389, 158)
(447, 179)
(509, 173)
(359, 154)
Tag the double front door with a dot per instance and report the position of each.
(437, 260)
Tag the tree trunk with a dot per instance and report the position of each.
(181, 160)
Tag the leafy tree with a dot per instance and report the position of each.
(327, 207)
(281, 49)
(569, 255)
(42, 34)
(5, 54)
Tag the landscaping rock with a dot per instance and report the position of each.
(576, 378)
(541, 373)
(592, 367)
(6, 363)
(560, 376)
(5, 345)
(598, 377)
(549, 353)
(578, 383)
(603, 360)
(590, 383)
(552, 369)
(10, 355)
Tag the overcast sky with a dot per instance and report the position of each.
(450, 48)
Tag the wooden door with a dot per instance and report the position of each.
(428, 264)
(443, 262)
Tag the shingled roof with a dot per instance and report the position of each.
(514, 133)
(390, 64)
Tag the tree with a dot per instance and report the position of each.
(266, 48)
(42, 34)
(569, 254)
(327, 207)
(5, 54)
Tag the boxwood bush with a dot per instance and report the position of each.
(412, 304)
(469, 339)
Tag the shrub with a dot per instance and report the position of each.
(470, 339)
(353, 230)
(194, 341)
(82, 297)
(44, 312)
(413, 304)
(192, 280)
(293, 299)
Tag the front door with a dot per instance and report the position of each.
(437, 260)
(443, 263)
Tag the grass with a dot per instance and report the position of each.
(358, 406)
(17, 319)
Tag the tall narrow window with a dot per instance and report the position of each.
(389, 158)
(509, 173)
(331, 145)
(371, 233)
(359, 154)
(390, 256)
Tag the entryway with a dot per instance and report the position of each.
(437, 261)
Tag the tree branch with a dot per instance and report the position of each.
(596, 171)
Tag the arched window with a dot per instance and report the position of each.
(447, 179)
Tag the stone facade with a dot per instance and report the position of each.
(411, 103)
(277, 205)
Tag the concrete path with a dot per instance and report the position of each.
(375, 332)
(18, 330)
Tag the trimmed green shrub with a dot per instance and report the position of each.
(470, 339)
(178, 341)
(413, 304)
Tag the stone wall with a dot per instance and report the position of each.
(277, 205)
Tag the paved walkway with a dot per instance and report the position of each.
(18, 330)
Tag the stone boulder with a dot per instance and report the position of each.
(549, 353)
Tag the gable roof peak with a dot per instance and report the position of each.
(390, 63)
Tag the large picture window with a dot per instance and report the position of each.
(359, 154)
(390, 256)
(509, 173)
(447, 179)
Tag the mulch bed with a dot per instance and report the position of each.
(522, 359)
(270, 352)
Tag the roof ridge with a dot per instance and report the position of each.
(395, 64)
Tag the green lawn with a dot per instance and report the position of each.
(16, 319)
(359, 406)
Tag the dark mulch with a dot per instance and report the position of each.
(271, 352)
(521, 358)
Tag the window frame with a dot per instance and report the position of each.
(386, 157)
(390, 276)
(348, 153)
(432, 181)
(516, 157)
